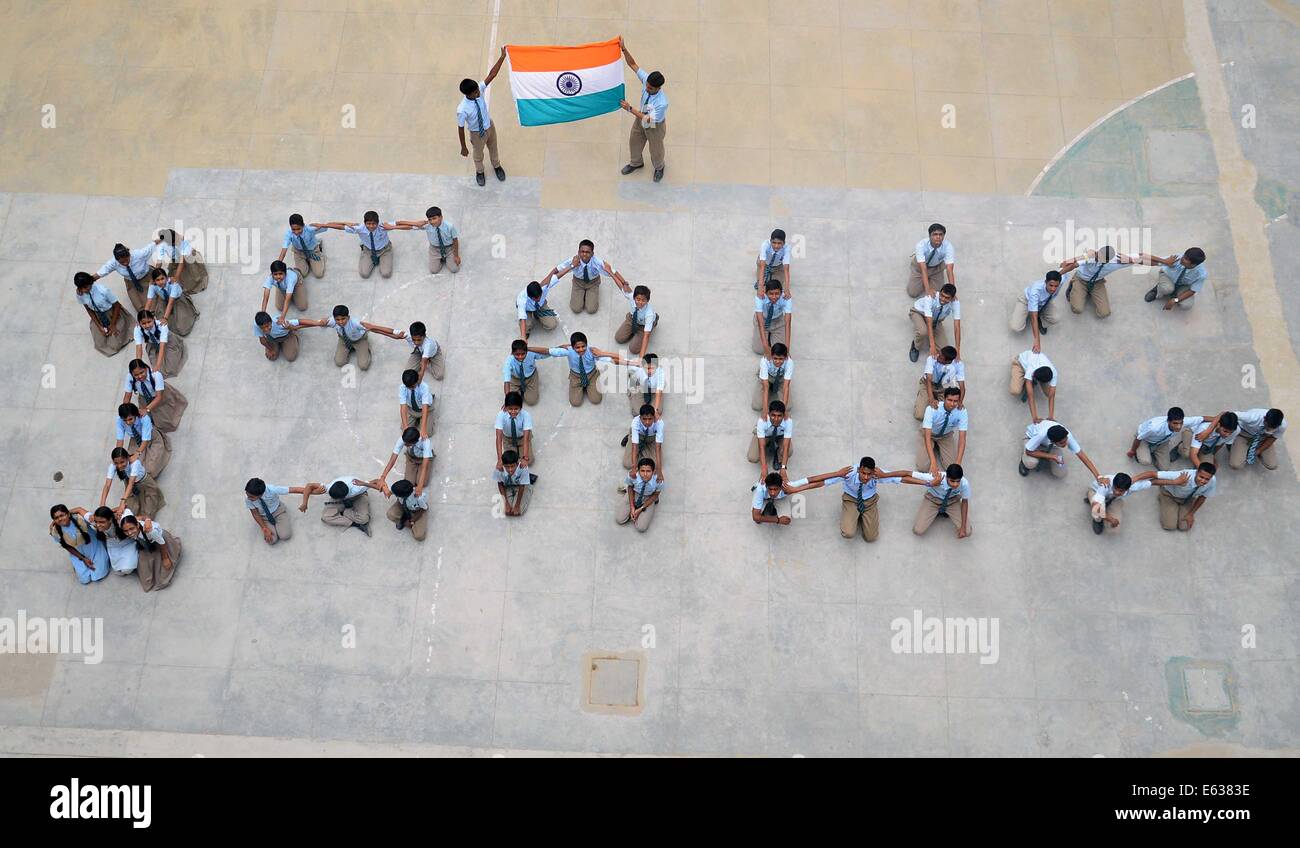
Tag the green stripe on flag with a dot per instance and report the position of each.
(561, 110)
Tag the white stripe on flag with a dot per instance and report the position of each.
(528, 85)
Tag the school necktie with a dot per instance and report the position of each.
(1182, 269)
(769, 505)
(929, 254)
(769, 313)
(478, 106)
(636, 316)
(374, 252)
(135, 433)
(942, 429)
(1088, 284)
(943, 503)
(413, 401)
(775, 378)
(774, 447)
(640, 494)
(266, 511)
(514, 430)
(1253, 448)
(135, 281)
(103, 314)
(1190, 497)
(583, 379)
(442, 250)
(586, 272)
(306, 254)
(145, 389)
(862, 504)
(938, 309)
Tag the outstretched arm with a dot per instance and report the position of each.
(492, 74)
(627, 57)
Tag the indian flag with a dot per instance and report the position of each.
(554, 85)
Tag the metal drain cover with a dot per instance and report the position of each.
(614, 682)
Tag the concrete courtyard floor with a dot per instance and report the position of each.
(756, 640)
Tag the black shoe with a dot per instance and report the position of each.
(912, 353)
(364, 528)
(1098, 527)
(480, 179)
(1069, 289)
(1042, 327)
(532, 479)
(627, 169)
(659, 174)
(1174, 454)
(1149, 296)
(501, 173)
(401, 524)
(1024, 394)
(625, 438)
(1024, 472)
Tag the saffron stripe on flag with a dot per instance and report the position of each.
(524, 57)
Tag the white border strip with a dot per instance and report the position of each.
(1103, 119)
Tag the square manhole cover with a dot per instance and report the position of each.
(614, 682)
(1207, 690)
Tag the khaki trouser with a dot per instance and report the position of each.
(868, 521)
(533, 392)
(315, 267)
(362, 348)
(478, 142)
(286, 346)
(643, 520)
(936, 273)
(636, 398)
(779, 273)
(637, 139)
(1160, 455)
(945, 451)
(1020, 313)
(1058, 469)
(926, 392)
(437, 261)
(517, 445)
(437, 364)
(577, 392)
(1241, 445)
(1101, 510)
(775, 333)
(636, 450)
(1165, 288)
(340, 514)
(282, 529)
(1078, 295)
(299, 297)
(1017, 384)
(627, 330)
(524, 500)
(921, 335)
(756, 447)
(928, 511)
(548, 322)
(757, 400)
(366, 263)
(419, 520)
(411, 471)
(585, 295)
(1173, 515)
